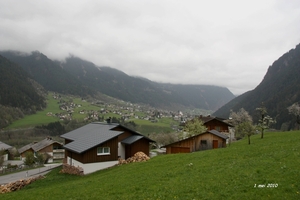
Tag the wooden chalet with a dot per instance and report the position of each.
(215, 123)
(53, 148)
(5, 148)
(211, 139)
(99, 145)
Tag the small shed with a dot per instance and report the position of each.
(210, 139)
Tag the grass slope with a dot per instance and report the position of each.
(41, 118)
(229, 173)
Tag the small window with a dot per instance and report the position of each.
(103, 151)
(203, 142)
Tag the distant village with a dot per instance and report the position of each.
(126, 112)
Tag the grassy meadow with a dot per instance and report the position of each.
(162, 125)
(41, 118)
(266, 169)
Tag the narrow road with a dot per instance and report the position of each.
(27, 174)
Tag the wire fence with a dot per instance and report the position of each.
(7, 169)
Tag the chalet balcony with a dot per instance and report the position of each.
(59, 156)
(58, 150)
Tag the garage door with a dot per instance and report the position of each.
(180, 150)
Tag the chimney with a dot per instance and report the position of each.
(108, 120)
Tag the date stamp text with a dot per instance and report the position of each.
(268, 185)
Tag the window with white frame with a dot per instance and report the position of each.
(103, 151)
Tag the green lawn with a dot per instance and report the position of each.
(240, 171)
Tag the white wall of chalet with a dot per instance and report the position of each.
(91, 167)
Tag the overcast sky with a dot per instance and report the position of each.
(226, 43)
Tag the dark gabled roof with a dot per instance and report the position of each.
(207, 119)
(214, 132)
(132, 139)
(4, 146)
(97, 127)
(124, 127)
(89, 136)
(43, 143)
(25, 148)
(38, 145)
(217, 133)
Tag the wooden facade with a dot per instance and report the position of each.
(47, 149)
(199, 142)
(140, 145)
(23, 154)
(90, 156)
(130, 150)
(214, 123)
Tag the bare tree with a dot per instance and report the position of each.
(295, 110)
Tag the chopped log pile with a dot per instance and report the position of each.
(138, 157)
(10, 187)
(68, 169)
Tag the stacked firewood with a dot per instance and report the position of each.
(138, 157)
(10, 187)
(68, 169)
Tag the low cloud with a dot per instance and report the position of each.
(225, 43)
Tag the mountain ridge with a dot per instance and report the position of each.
(81, 77)
(278, 90)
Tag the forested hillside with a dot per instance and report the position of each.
(83, 78)
(114, 83)
(119, 85)
(278, 90)
(17, 94)
(200, 96)
(47, 73)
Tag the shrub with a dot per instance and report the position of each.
(29, 159)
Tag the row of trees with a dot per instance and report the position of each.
(241, 120)
(244, 124)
